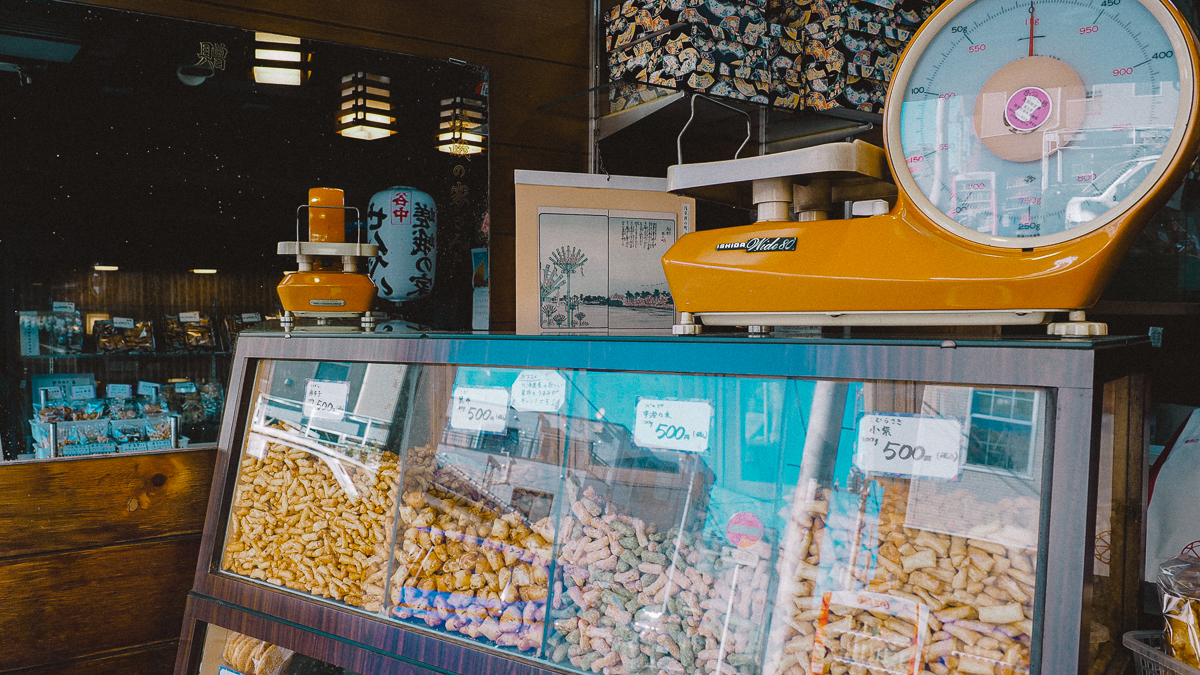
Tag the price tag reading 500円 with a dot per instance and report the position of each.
(673, 425)
(480, 409)
(916, 446)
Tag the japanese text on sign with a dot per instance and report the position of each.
(539, 391)
(189, 317)
(119, 390)
(326, 398)
(479, 409)
(147, 389)
(83, 391)
(673, 425)
(916, 446)
(123, 322)
(646, 234)
(251, 317)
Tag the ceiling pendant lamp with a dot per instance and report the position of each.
(461, 130)
(365, 111)
(280, 59)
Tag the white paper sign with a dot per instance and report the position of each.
(119, 390)
(539, 391)
(480, 409)
(147, 389)
(189, 317)
(256, 446)
(62, 307)
(83, 391)
(185, 387)
(673, 425)
(51, 393)
(326, 398)
(916, 446)
(251, 317)
(123, 322)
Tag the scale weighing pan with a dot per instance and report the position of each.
(1030, 143)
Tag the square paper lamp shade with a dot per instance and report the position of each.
(280, 59)
(461, 130)
(365, 111)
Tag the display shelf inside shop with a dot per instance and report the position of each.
(642, 140)
(122, 355)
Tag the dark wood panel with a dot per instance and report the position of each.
(63, 606)
(88, 502)
(367, 642)
(157, 659)
(550, 30)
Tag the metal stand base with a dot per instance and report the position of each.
(324, 322)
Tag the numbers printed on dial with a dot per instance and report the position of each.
(479, 409)
(1097, 142)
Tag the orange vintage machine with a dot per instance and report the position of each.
(1029, 142)
(327, 284)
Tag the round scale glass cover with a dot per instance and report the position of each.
(1031, 122)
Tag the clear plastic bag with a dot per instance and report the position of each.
(252, 656)
(1179, 586)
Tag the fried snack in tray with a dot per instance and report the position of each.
(632, 601)
(293, 525)
(467, 563)
(979, 596)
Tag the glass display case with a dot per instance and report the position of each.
(685, 506)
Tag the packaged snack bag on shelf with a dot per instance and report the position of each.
(1179, 587)
(251, 656)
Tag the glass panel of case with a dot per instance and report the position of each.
(655, 523)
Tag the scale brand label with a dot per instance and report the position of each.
(914, 446)
(672, 425)
(539, 391)
(760, 245)
(480, 409)
(318, 302)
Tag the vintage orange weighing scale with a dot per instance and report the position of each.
(327, 284)
(1030, 141)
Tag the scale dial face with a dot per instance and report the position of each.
(1019, 123)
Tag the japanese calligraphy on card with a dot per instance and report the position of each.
(325, 398)
(479, 409)
(913, 446)
(672, 425)
(539, 391)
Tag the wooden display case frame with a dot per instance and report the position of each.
(1097, 405)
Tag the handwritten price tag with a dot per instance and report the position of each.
(916, 446)
(480, 409)
(673, 425)
(62, 307)
(251, 317)
(119, 390)
(147, 389)
(189, 317)
(83, 391)
(326, 398)
(123, 322)
(539, 391)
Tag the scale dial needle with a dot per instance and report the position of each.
(1031, 22)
